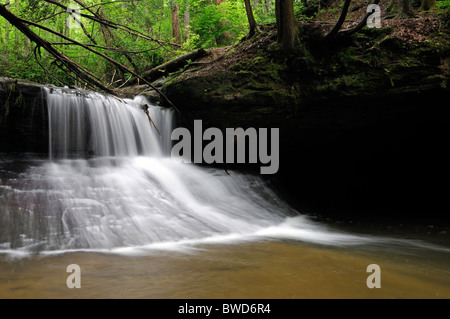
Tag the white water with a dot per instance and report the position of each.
(111, 186)
(88, 123)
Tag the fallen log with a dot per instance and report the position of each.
(173, 65)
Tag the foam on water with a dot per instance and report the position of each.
(111, 187)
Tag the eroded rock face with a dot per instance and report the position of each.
(23, 117)
(341, 86)
(363, 129)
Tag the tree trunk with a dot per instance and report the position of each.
(16, 32)
(340, 22)
(40, 42)
(286, 28)
(64, 61)
(392, 7)
(404, 9)
(6, 32)
(224, 38)
(176, 31)
(6, 53)
(187, 21)
(251, 19)
(427, 5)
(362, 23)
(26, 47)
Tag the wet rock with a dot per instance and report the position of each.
(23, 117)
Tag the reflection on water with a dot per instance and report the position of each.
(257, 270)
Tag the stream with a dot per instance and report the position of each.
(110, 199)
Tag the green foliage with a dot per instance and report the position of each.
(443, 4)
(305, 10)
(35, 9)
(192, 43)
(265, 12)
(218, 25)
(211, 25)
(148, 17)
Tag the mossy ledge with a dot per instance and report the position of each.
(362, 121)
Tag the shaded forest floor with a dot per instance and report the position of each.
(430, 27)
(255, 71)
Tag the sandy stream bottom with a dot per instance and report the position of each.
(258, 270)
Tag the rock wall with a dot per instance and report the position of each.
(23, 117)
(364, 126)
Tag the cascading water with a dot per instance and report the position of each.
(87, 123)
(110, 184)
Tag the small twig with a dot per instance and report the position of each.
(145, 108)
(45, 70)
(125, 82)
(112, 78)
(114, 25)
(107, 48)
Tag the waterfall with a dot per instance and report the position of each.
(92, 124)
(110, 184)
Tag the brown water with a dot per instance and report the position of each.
(238, 238)
(259, 270)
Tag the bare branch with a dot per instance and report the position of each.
(360, 25)
(107, 2)
(106, 48)
(51, 16)
(73, 66)
(66, 61)
(115, 25)
(36, 49)
(341, 20)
